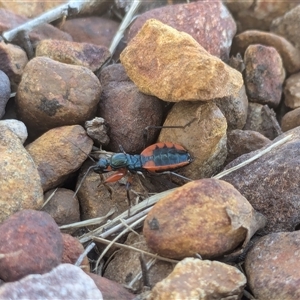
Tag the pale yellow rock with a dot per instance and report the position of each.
(172, 66)
(201, 279)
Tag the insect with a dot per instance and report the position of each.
(159, 157)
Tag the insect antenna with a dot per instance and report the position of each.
(82, 180)
(146, 131)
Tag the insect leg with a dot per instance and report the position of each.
(146, 131)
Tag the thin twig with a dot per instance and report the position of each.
(123, 26)
(49, 198)
(104, 241)
(72, 7)
(251, 159)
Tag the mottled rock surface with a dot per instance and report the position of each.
(197, 19)
(203, 135)
(291, 119)
(81, 54)
(64, 282)
(72, 250)
(264, 75)
(53, 94)
(272, 266)
(240, 142)
(127, 111)
(94, 30)
(4, 92)
(17, 127)
(31, 243)
(234, 109)
(257, 14)
(63, 207)
(20, 184)
(58, 153)
(206, 216)
(13, 60)
(292, 91)
(201, 279)
(196, 75)
(270, 183)
(287, 25)
(263, 120)
(289, 54)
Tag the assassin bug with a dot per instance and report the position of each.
(163, 157)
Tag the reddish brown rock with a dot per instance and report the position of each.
(63, 207)
(203, 135)
(287, 25)
(31, 243)
(20, 184)
(195, 76)
(58, 153)
(213, 220)
(72, 250)
(53, 94)
(81, 54)
(270, 183)
(4, 92)
(292, 91)
(111, 289)
(240, 142)
(125, 266)
(264, 75)
(13, 60)
(234, 109)
(127, 111)
(272, 266)
(10, 20)
(197, 19)
(64, 281)
(30, 9)
(93, 30)
(257, 14)
(291, 119)
(201, 279)
(289, 54)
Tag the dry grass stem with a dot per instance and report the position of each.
(117, 237)
(49, 198)
(107, 242)
(94, 221)
(123, 26)
(251, 159)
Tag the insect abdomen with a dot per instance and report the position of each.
(164, 156)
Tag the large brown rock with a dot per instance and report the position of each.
(53, 94)
(272, 266)
(58, 153)
(270, 183)
(200, 18)
(289, 54)
(20, 184)
(264, 75)
(201, 279)
(81, 54)
(291, 119)
(194, 74)
(203, 134)
(287, 25)
(127, 111)
(207, 216)
(31, 243)
(292, 91)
